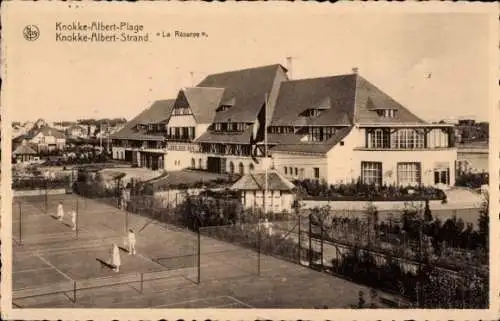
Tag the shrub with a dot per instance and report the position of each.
(313, 189)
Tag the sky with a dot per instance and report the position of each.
(435, 64)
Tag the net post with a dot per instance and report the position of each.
(74, 291)
(199, 256)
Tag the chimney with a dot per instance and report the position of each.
(355, 70)
(289, 66)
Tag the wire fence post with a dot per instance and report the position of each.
(199, 256)
(74, 291)
(77, 221)
(126, 220)
(300, 241)
(258, 245)
(46, 198)
(321, 243)
(310, 240)
(20, 224)
(142, 282)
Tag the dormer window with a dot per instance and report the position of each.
(386, 113)
(223, 107)
(218, 127)
(312, 112)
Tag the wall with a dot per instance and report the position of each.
(181, 121)
(276, 201)
(389, 159)
(345, 161)
(341, 157)
(179, 155)
(118, 152)
(245, 160)
(200, 129)
(306, 162)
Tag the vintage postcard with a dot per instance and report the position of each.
(234, 161)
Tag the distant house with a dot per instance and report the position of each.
(77, 131)
(280, 191)
(24, 153)
(45, 139)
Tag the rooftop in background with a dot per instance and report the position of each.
(159, 111)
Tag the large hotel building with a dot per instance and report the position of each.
(335, 129)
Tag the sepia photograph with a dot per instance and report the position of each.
(166, 158)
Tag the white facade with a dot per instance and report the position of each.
(292, 166)
(343, 163)
(276, 202)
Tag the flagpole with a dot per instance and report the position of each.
(265, 155)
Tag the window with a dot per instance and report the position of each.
(286, 170)
(312, 112)
(371, 173)
(409, 174)
(316, 172)
(296, 171)
(442, 174)
(181, 111)
(251, 168)
(386, 113)
(231, 167)
(319, 134)
(328, 132)
(218, 127)
(193, 163)
(290, 171)
(378, 139)
(301, 173)
(242, 169)
(407, 139)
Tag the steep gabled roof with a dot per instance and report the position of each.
(369, 99)
(243, 137)
(46, 131)
(333, 94)
(347, 99)
(159, 111)
(24, 149)
(246, 88)
(203, 102)
(297, 146)
(256, 181)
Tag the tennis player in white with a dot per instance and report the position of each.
(131, 242)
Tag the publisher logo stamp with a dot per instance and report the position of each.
(31, 32)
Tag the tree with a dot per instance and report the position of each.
(372, 220)
(427, 212)
(483, 223)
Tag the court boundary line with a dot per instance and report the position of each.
(199, 300)
(52, 265)
(240, 302)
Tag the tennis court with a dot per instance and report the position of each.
(55, 266)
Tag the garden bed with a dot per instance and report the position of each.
(320, 191)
